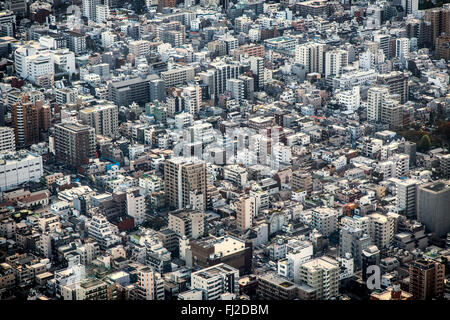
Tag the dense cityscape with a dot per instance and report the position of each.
(224, 150)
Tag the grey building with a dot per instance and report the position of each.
(138, 90)
(433, 203)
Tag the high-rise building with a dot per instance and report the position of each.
(187, 223)
(311, 56)
(149, 285)
(236, 87)
(324, 220)
(74, 143)
(397, 83)
(433, 202)
(375, 97)
(221, 73)
(257, 67)
(335, 61)
(444, 165)
(370, 256)
(406, 196)
(442, 47)
(381, 229)
(19, 7)
(181, 176)
(322, 274)
(440, 21)
(353, 240)
(103, 118)
(7, 139)
(124, 93)
(178, 76)
(135, 205)
(101, 12)
(216, 280)
(25, 118)
(302, 180)
(166, 4)
(402, 48)
(384, 43)
(245, 211)
(89, 8)
(426, 279)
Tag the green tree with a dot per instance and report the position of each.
(424, 143)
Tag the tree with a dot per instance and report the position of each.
(424, 143)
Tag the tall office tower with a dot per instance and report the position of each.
(89, 8)
(354, 241)
(433, 203)
(384, 43)
(25, 119)
(402, 48)
(311, 56)
(406, 196)
(245, 211)
(149, 285)
(7, 139)
(375, 97)
(381, 229)
(19, 7)
(222, 72)
(397, 82)
(74, 143)
(257, 67)
(236, 88)
(322, 274)
(181, 176)
(103, 118)
(426, 279)
(216, 280)
(135, 205)
(335, 61)
(440, 21)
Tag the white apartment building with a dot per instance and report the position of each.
(7, 139)
(311, 56)
(136, 206)
(19, 167)
(216, 280)
(289, 267)
(375, 97)
(335, 61)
